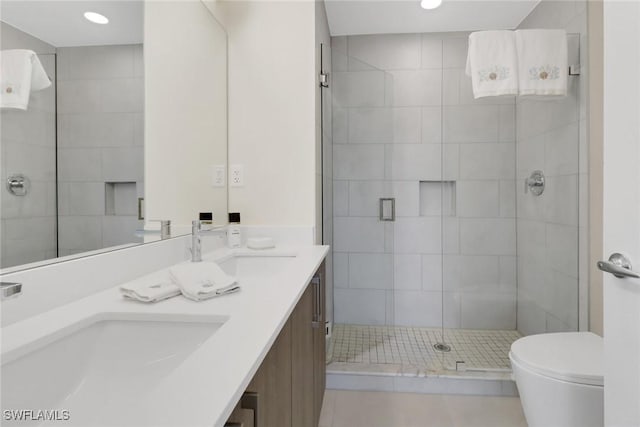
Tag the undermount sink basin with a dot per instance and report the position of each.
(248, 266)
(100, 372)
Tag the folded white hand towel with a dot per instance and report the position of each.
(150, 292)
(202, 280)
(492, 63)
(20, 74)
(542, 62)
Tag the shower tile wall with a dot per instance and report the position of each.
(405, 125)
(28, 147)
(551, 227)
(100, 141)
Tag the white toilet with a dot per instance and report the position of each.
(560, 379)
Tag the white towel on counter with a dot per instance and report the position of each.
(202, 280)
(492, 63)
(542, 62)
(150, 292)
(20, 74)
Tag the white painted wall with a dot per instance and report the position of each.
(186, 111)
(272, 117)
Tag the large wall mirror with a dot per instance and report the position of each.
(131, 130)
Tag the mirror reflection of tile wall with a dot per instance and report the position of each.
(100, 145)
(28, 141)
(98, 98)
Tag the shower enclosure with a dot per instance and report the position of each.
(442, 255)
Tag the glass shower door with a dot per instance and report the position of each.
(363, 210)
(416, 178)
(479, 231)
(393, 202)
(451, 168)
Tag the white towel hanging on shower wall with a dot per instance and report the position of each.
(542, 62)
(492, 63)
(20, 74)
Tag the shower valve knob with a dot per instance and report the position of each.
(18, 185)
(535, 183)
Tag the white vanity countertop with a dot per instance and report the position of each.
(204, 388)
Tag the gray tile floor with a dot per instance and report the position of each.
(376, 409)
(389, 348)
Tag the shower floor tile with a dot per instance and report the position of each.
(399, 350)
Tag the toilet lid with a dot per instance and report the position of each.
(575, 357)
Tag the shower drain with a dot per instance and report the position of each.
(442, 347)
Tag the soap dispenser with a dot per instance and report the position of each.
(234, 238)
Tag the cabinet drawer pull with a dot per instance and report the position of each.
(317, 303)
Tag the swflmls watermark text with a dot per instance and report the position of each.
(36, 415)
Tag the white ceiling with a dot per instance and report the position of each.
(61, 23)
(349, 17)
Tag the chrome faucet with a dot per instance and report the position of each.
(196, 234)
(165, 229)
(9, 290)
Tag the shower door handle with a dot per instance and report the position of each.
(387, 209)
(619, 266)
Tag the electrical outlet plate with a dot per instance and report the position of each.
(219, 176)
(236, 176)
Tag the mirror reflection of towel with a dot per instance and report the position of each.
(20, 74)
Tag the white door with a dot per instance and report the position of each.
(622, 210)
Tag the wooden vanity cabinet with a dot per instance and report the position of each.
(290, 382)
(320, 349)
(302, 361)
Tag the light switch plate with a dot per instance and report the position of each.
(219, 176)
(236, 176)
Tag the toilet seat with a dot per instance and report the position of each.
(575, 357)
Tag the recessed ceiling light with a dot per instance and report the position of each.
(430, 4)
(96, 18)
